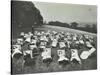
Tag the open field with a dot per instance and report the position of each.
(40, 67)
(48, 27)
(65, 29)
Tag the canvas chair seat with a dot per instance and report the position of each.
(74, 38)
(17, 47)
(75, 56)
(81, 41)
(54, 43)
(46, 53)
(33, 47)
(31, 53)
(34, 41)
(92, 50)
(61, 58)
(30, 34)
(77, 42)
(16, 51)
(61, 53)
(27, 52)
(88, 44)
(28, 39)
(42, 38)
(22, 34)
(43, 43)
(86, 54)
(20, 39)
(62, 44)
(45, 57)
(42, 46)
(68, 44)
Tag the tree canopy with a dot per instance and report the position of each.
(25, 14)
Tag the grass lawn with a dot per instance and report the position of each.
(40, 67)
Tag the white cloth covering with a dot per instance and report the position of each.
(54, 43)
(28, 39)
(61, 54)
(62, 44)
(27, 52)
(32, 47)
(86, 54)
(74, 55)
(81, 41)
(33, 41)
(88, 44)
(46, 53)
(16, 51)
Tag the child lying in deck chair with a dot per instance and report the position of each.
(62, 44)
(54, 43)
(46, 56)
(86, 54)
(42, 46)
(29, 55)
(16, 51)
(62, 59)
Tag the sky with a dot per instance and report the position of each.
(67, 12)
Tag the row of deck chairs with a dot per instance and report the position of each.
(30, 45)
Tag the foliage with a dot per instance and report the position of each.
(24, 14)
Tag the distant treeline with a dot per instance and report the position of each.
(74, 25)
(24, 14)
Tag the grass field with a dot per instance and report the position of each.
(40, 67)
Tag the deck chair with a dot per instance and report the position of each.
(16, 51)
(54, 43)
(86, 54)
(46, 55)
(62, 59)
(74, 56)
(62, 45)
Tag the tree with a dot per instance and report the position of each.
(25, 14)
(74, 25)
(88, 28)
(94, 28)
(58, 23)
